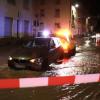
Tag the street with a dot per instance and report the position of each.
(85, 61)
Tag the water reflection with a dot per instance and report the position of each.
(87, 43)
(81, 63)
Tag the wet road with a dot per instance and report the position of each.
(86, 61)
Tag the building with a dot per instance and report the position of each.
(78, 17)
(51, 16)
(16, 17)
(20, 18)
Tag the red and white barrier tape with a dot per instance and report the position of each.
(98, 39)
(48, 81)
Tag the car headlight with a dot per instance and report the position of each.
(10, 58)
(32, 60)
(36, 60)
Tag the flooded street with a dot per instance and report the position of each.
(86, 61)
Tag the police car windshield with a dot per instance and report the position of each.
(41, 41)
(38, 42)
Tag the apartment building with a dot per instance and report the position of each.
(51, 15)
(20, 18)
(16, 18)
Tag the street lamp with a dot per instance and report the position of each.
(75, 18)
(76, 5)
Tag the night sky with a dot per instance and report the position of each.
(92, 6)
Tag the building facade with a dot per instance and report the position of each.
(20, 18)
(79, 23)
(52, 15)
(16, 17)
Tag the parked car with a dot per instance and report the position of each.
(39, 52)
(96, 37)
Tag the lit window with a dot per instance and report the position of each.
(13, 2)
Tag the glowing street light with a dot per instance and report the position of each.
(76, 5)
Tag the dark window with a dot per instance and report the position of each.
(42, 2)
(26, 27)
(42, 12)
(52, 44)
(39, 34)
(57, 25)
(26, 4)
(18, 28)
(57, 13)
(13, 2)
(57, 2)
(36, 23)
(36, 15)
(41, 26)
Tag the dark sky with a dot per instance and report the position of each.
(92, 6)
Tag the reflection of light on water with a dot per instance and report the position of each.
(87, 43)
(68, 67)
(81, 63)
(65, 72)
(78, 48)
(68, 91)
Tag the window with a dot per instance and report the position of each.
(57, 13)
(57, 2)
(26, 4)
(12, 2)
(42, 12)
(26, 27)
(41, 26)
(42, 2)
(8, 26)
(57, 25)
(52, 44)
(36, 23)
(36, 15)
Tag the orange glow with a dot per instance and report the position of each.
(64, 33)
(64, 44)
(64, 36)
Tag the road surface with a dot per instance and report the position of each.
(86, 61)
